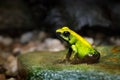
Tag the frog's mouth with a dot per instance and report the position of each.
(59, 32)
(60, 36)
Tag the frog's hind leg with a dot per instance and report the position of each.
(76, 60)
(68, 55)
(90, 59)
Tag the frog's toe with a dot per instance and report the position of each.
(60, 61)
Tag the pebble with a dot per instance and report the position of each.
(2, 60)
(1, 38)
(30, 47)
(11, 79)
(115, 40)
(90, 40)
(11, 65)
(49, 44)
(54, 44)
(2, 73)
(2, 77)
(6, 41)
(26, 37)
(41, 35)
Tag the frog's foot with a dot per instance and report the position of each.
(76, 60)
(60, 61)
(89, 59)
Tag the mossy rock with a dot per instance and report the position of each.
(43, 66)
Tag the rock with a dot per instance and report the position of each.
(42, 35)
(44, 65)
(1, 38)
(11, 65)
(41, 46)
(90, 40)
(2, 77)
(54, 45)
(49, 44)
(115, 40)
(11, 79)
(26, 37)
(22, 49)
(2, 60)
(30, 47)
(16, 48)
(7, 41)
(2, 69)
(2, 73)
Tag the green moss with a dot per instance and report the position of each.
(45, 66)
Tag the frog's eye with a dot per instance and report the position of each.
(66, 33)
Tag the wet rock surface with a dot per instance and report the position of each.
(45, 66)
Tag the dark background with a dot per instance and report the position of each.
(17, 16)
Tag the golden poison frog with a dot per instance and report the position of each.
(80, 50)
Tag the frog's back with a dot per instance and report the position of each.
(84, 49)
(80, 39)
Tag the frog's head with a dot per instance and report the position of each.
(64, 32)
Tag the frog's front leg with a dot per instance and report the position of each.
(75, 59)
(68, 55)
(71, 54)
(74, 48)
